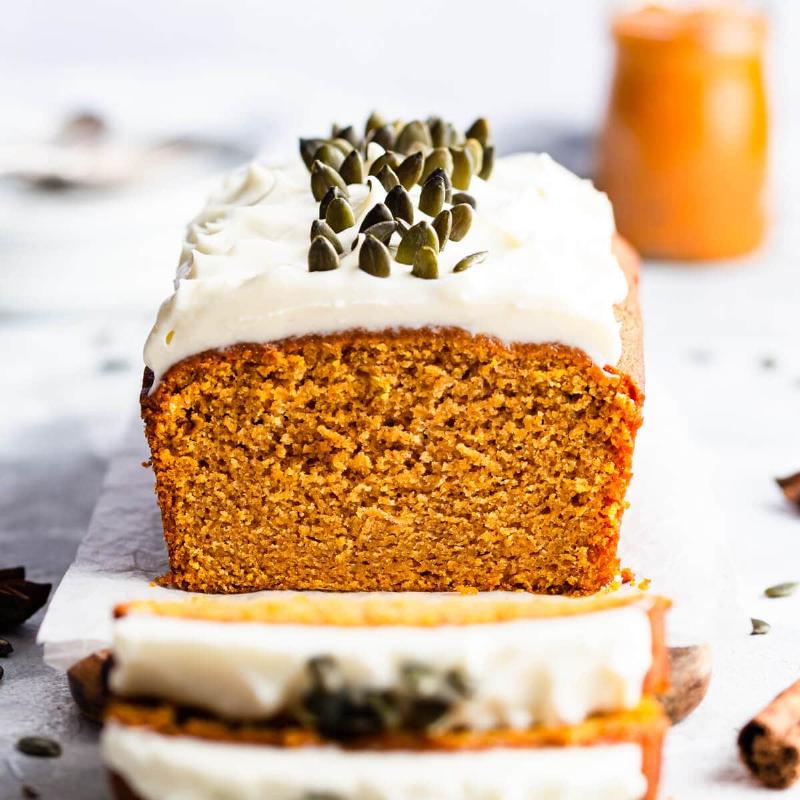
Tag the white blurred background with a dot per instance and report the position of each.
(247, 76)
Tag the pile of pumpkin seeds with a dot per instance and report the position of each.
(431, 153)
(340, 710)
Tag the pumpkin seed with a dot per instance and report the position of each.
(410, 170)
(322, 178)
(417, 236)
(352, 168)
(339, 215)
(321, 228)
(388, 178)
(327, 199)
(382, 231)
(432, 196)
(378, 213)
(462, 167)
(479, 130)
(374, 258)
(330, 155)
(398, 201)
(443, 224)
(440, 158)
(415, 135)
(389, 158)
(322, 256)
(759, 627)
(384, 136)
(488, 163)
(426, 264)
(374, 121)
(348, 133)
(448, 184)
(470, 260)
(462, 221)
(781, 589)
(442, 133)
(307, 149)
(39, 746)
(342, 145)
(475, 148)
(463, 197)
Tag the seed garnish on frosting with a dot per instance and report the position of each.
(432, 153)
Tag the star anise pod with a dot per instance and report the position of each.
(19, 599)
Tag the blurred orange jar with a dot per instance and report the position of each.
(683, 153)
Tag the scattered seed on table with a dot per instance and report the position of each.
(39, 746)
(781, 589)
(759, 627)
(6, 648)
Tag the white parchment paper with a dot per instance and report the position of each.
(671, 534)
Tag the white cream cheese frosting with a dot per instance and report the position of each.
(522, 672)
(160, 767)
(550, 274)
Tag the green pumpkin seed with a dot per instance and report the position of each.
(374, 258)
(442, 132)
(432, 196)
(448, 184)
(342, 145)
(321, 228)
(352, 168)
(398, 201)
(443, 224)
(330, 155)
(470, 260)
(389, 158)
(382, 231)
(781, 590)
(475, 148)
(378, 213)
(463, 197)
(388, 178)
(419, 235)
(39, 746)
(328, 197)
(339, 215)
(374, 121)
(384, 136)
(488, 163)
(463, 167)
(410, 170)
(307, 149)
(426, 264)
(759, 627)
(479, 130)
(322, 178)
(413, 137)
(348, 133)
(439, 158)
(462, 221)
(322, 256)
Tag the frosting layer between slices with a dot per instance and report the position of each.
(522, 672)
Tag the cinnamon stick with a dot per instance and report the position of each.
(770, 743)
(790, 485)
